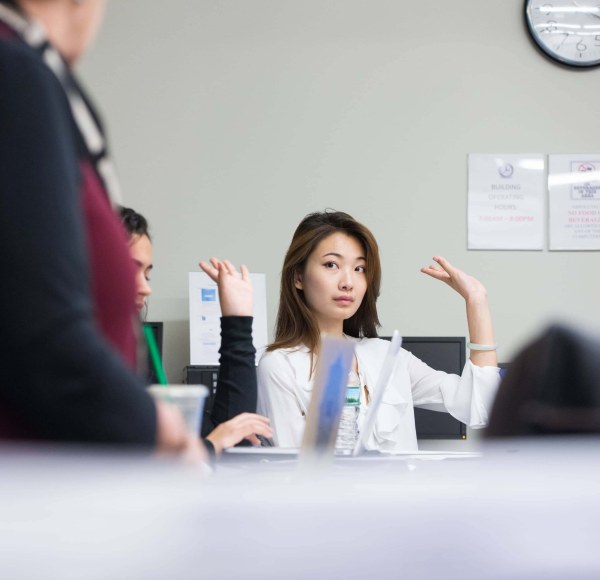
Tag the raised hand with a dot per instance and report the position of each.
(468, 287)
(235, 289)
(479, 318)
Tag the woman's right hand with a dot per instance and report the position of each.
(244, 426)
(235, 289)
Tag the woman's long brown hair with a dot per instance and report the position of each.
(296, 324)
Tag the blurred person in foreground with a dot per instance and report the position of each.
(67, 290)
(552, 387)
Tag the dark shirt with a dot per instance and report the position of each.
(67, 338)
(236, 385)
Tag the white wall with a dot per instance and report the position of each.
(232, 119)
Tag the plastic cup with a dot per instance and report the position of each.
(189, 399)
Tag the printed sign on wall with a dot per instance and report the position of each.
(205, 318)
(574, 189)
(506, 202)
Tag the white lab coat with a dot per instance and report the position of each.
(284, 392)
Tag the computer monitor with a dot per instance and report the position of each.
(157, 329)
(206, 375)
(442, 353)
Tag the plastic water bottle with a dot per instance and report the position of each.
(347, 434)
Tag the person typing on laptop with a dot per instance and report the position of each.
(232, 417)
(329, 285)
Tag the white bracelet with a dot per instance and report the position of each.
(475, 346)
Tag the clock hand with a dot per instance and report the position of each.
(567, 34)
(594, 14)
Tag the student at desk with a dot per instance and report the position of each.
(232, 416)
(330, 284)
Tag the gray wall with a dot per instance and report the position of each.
(232, 119)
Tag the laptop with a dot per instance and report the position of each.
(324, 410)
(382, 382)
(327, 400)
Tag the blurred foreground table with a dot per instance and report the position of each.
(522, 510)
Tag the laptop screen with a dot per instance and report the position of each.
(329, 390)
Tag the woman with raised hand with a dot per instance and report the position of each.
(329, 285)
(232, 417)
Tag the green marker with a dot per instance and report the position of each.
(154, 355)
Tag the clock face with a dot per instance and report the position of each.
(567, 31)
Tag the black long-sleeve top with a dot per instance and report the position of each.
(237, 385)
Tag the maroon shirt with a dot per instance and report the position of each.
(111, 268)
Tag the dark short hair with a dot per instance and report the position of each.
(135, 223)
(551, 387)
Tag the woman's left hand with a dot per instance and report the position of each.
(468, 287)
(478, 313)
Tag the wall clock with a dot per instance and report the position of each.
(567, 31)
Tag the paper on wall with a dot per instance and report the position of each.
(506, 202)
(205, 318)
(574, 192)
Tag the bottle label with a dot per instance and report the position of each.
(353, 396)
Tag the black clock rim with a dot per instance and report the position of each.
(570, 64)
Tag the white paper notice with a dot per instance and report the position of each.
(506, 202)
(205, 318)
(574, 186)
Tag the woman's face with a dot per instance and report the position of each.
(334, 281)
(71, 25)
(140, 248)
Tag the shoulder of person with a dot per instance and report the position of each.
(283, 354)
(36, 97)
(374, 345)
(24, 66)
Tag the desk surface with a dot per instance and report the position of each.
(519, 511)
